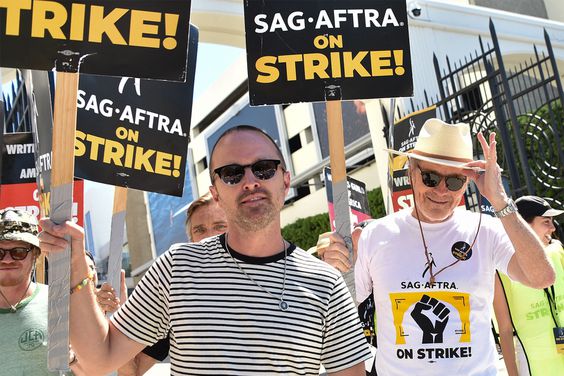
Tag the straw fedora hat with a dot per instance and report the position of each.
(442, 143)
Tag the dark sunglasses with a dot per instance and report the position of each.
(432, 180)
(233, 174)
(18, 253)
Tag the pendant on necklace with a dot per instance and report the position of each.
(13, 309)
(283, 305)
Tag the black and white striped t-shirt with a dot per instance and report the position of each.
(222, 323)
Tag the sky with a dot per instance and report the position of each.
(212, 60)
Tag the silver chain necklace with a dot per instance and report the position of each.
(282, 303)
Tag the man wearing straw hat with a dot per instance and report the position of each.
(432, 267)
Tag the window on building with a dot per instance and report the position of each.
(202, 165)
(295, 143)
(308, 133)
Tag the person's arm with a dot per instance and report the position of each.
(356, 370)
(144, 363)
(99, 346)
(529, 264)
(505, 327)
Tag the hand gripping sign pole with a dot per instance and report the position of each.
(67, 67)
(339, 175)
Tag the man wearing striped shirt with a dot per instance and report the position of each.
(243, 303)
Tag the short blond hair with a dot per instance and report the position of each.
(202, 201)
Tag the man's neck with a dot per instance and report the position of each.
(421, 217)
(15, 294)
(263, 243)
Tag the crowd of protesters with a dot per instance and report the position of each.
(240, 299)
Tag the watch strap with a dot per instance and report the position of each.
(510, 208)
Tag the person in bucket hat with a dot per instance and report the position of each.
(431, 268)
(23, 302)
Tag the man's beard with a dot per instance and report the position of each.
(256, 218)
(6, 281)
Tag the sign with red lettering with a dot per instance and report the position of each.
(26, 196)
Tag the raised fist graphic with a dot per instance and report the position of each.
(432, 316)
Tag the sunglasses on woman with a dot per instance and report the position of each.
(432, 179)
(18, 253)
(233, 174)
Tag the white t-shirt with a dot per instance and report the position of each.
(436, 330)
(222, 323)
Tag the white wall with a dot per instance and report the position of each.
(555, 9)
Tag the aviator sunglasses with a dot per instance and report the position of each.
(18, 253)
(432, 180)
(233, 174)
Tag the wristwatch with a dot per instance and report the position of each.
(509, 209)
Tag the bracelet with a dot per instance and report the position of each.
(81, 284)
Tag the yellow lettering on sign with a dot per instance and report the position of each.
(127, 134)
(354, 64)
(48, 16)
(142, 159)
(95, 143)
(100, 25)
(13, 11)
(290, 61)
(139, 28)
(91, 23)
(315, 64)
(171, 25)
(163, 163)
(113, 151)
(381, 63)
(332, 41)
(79, 147)
(265, 65)
(117, 153)
(335, 64)
(77, 22)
